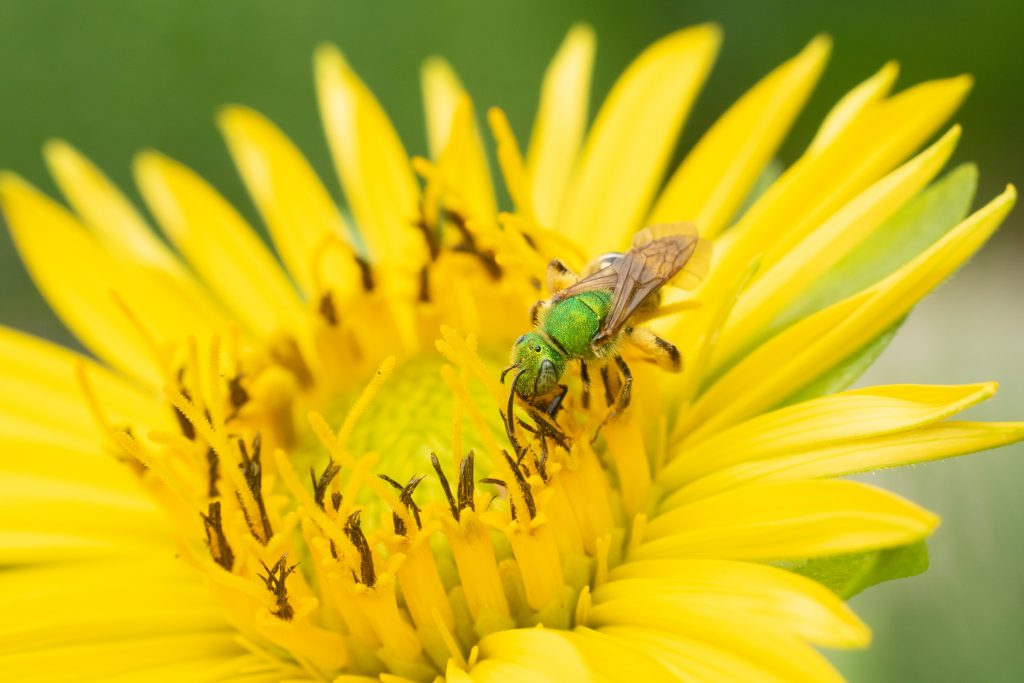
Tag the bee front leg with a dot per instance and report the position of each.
(663, 353)
(556, 402)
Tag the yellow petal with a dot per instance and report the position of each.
(90, 468)
(932, 442)
(305, 225)
(722, 168)
(560, 123)
(543, 654)
(633, 137)
(95, 602)
(611, 659)
(688, 590)
(119, 309)
(786, 520)
(442, 90)
(728, 651)
(819, 184)
(373, 167)
(463, 166)
(177, 657)
(218, 243)
(41, 399)
(847, 416)
(794, 272)
(798, 354)
(43, 519)
(105, 210)
(852, 105)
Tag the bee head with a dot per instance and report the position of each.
(537, 366)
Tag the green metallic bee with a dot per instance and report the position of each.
(588, 319)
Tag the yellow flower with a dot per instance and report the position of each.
(303, 474)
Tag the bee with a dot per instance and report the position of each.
(588, 320)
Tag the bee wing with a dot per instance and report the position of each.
(660, 253)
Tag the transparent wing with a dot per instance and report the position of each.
(660, 253)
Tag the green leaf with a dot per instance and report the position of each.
(847, 575)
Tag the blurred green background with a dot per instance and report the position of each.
(114, 76)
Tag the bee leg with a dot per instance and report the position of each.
(559, 276)
(585, 381)
(626, 393)
(606, 380)
(663, 353)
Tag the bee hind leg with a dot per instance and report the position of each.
(661, 352)
(585, 382)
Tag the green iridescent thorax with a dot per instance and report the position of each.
(539, 365)
(572, 323)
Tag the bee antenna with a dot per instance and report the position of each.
(508, 370)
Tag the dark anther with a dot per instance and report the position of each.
(252, 470)
(524, 486)
(429, 234)
(542, 461)
(405, 498)
(286, 353)
(355, 534)
(469, 244)
(237, 393)
(424, 296)
(444, 486)
(320, 485)
(215, 539)
(466, 482)
(336, 499)
(275, 583)
(213, 465)
(327, 310)
(366, 273)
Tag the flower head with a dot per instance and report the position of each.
(315, 472)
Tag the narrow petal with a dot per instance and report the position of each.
(611, 659)
(773, 372)
(463, 166)
(218, 243)
(784, 521)
(725, 652)
(442, 90)
(120, 310)
(544, 654)
(373, 167)
(852, 105)
(560, 123)
(89, 468)
(633, 137)
(847, 416)
(819, 184)
(106, 210)
(165, 658)
(688, 590)
(717, 175)
(793, 273)
(126, 599)
(43, 519)
(932, 442)
(41, 398)
(306, 227)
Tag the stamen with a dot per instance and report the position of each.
(327, 310)
(213, 471)
(275, 583)
(445, 486)
(367, 575)
(320, 485)
(215, 539)
(524, 487)
(252, 470)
